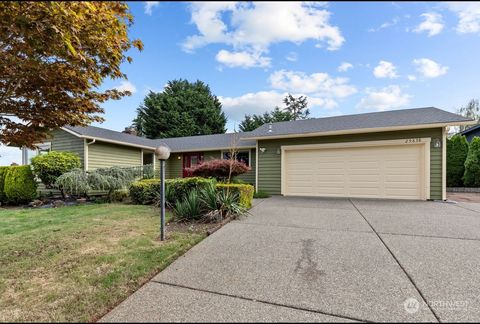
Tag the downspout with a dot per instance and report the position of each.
(85, 158)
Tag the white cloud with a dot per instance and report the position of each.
(292, 57)
(242, 59)
(320, 84)
(254, 26)
(387, 24)
(344, 67)
(432, 24)
(468, 14)
(262, 101)
(411, 77)
(126, 86)
(390, 97)
(385, 69)
(149, 5)
(429, 68)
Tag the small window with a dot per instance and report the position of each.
(242, 156)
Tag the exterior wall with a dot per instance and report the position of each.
(174, 165)
(269, 162)
(104, 155)
(66, 142)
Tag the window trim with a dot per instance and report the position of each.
(239, 151)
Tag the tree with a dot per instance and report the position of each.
(472, 111)
(472, 164)
(251, 122)
(54, 58)
(181, 109)
(457, 150)
(296, 106)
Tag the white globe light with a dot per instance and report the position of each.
(162, 152)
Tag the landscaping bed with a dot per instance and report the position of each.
(76, 263)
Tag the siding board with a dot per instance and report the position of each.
(104, 155)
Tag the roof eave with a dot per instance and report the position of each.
(361, 130)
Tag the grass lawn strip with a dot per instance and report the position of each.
(76, 263)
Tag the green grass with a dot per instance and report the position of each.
(261, 194)
(76, 263)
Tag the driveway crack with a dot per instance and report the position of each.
(263, 301)
(397, 261)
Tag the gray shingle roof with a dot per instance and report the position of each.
(203, 142)
(394, 118)
(107, 134)
(177, 144)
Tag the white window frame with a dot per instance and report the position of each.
(239, 151)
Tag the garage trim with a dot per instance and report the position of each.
(425, 141)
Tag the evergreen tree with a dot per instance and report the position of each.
(296, 106)
(457, 150)
(181, 109)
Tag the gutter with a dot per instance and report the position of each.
(359, 130)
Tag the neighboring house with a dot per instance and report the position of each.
(471, 132)
(397, 154)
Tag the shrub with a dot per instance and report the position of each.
(457, 150)
(48, 167)
(188, 208)
(3, 173)
(245, 192)
(229, 202)
(110, 179)
(219, 169)
(20, 185)
(74, 182)
(261, 194)
(146, 192)
(472, 164)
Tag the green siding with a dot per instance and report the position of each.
(174, 165)
(269, 163)
(66, 142)
(104, 155)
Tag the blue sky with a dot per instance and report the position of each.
(345, 57)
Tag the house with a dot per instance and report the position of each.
(471, 132)
(397, 154)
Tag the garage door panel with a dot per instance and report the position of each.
(381, 172)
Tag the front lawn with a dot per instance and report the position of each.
(76, 263)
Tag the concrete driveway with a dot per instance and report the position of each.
(318, 259)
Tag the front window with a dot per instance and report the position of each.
(242, 156)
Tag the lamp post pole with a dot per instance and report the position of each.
(162, 153)
(162, 207)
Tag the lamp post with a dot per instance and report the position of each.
(162, 153)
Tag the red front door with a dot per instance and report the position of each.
(189, 160)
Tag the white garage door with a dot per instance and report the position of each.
(396, 171)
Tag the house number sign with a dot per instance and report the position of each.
(412, 140)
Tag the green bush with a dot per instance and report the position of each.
(145, 192)
(189, 207)
(48, 167)
(20, 185)
(74, 182)
(261, 194)
(3, 173)
(471, 178)
(245, 192)
(457, 150)
(229, 202)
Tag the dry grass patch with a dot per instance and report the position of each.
(76, 263)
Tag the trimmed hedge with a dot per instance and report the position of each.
(48, 167)
(145, 192)
(245, 192)
(457, 150)
(3, 173)
(20, 185)
(471, 177)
